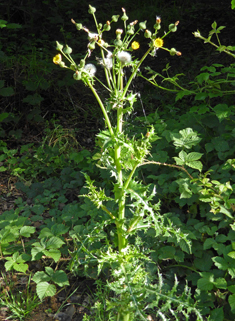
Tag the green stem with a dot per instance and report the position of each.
(134, 72)
(102, 108)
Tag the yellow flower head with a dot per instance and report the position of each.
(158, 43)
(135, 45)
(57, 59)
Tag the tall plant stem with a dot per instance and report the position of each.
(102, 108)
(120, 195)
(134, 72)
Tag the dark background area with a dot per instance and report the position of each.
(43, 91)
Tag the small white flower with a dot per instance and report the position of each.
(124, 57)
(91, 69)
(93, 36)
(108, 63)
(109, 54)
(197, 34)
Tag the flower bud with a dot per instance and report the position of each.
(130, 30)
(107, 26)
(158, 20)
(172, 27)
(142, 25)
(93, 36)
(173, 52)
(100, 26)
(78, 25)
(67, 50)
(119, 31)
(59, 46)
(197, 34)
(124, 16)
(91, 45)
(157, 26)
(115, 18)
(91, 9)
(118, 42)
(147, 34)
(77, 75)
(73, 67)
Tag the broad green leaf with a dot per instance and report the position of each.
(221, 283)
(195, 164)
(26, 231)
(3, 116)
(53, 253)
(167, 253)
(54, 243)
(231, 271)
(41, 276)
(49, 271)
(6, 92)
(220, 263)
(233, 4)
(217, 314)
(20, 267)
(13, 26)
(183, 155)
(181, 94)
(194, 156)
(231, 288)
(209, 242)
(204, 76)
(222, 111)
(3, 23)
(201, 96)
(45, 289)
(60, 278)
(8, 265)
(206, 283)
(231, 300)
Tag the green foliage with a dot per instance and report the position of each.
(163, 191)
(20, 304)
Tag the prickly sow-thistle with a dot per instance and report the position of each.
(115, 53)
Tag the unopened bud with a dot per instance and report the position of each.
(91, 9)
(158, 19)
(59, 46)
(124, 16)
(142, 25)
(118, 42)
(172, 27)
(130, 30)
(67, 50)
(115, 18)
(133, 23)
(77, 75)
(119, 31)
(173, 52)
(91, 45)
(147, 34)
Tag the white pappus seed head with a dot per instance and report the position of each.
(91, 69)
(124, 57)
